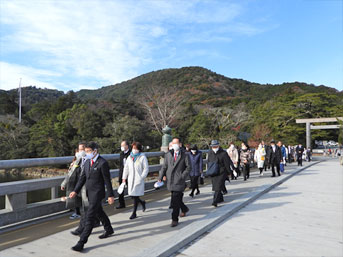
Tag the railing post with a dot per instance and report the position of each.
(54, 192)
(15, 202)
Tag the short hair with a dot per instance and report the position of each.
(82, 143)
(92, 145)
(194, 147)
(177, 139)
(125, 141)
(138, 146)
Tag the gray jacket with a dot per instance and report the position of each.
(175, 171)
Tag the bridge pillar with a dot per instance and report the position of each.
(308, 135)
(15, 202)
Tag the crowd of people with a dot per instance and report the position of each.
(89, 174)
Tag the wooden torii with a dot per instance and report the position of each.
(317, 120)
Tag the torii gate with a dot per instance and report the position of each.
(316, 120)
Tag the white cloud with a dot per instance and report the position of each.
(104, 41)
(10, 75)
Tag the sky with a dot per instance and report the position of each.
(74, 45)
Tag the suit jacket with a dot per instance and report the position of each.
(95, 178)
(175, 171)
(275, 156)
(121, 164)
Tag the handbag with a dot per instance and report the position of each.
(213, 169)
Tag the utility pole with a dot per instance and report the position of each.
(20, 101)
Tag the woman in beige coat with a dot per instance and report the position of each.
(135, 171)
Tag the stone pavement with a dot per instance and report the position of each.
(150, 233)
(301, 217)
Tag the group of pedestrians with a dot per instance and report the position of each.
(89, 174)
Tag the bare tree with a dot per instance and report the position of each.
(162, 105)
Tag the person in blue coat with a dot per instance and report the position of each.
(195, 159)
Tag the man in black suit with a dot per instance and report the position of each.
(275, 157)
(96, 174)
(124, 154)
(299, 151)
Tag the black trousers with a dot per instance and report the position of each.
(136, 201)
(121, 196)
(218, 197)
(277, 165)
(94, 210)
(246, 171)
(194, 183)
(300, 161)
(177, 204)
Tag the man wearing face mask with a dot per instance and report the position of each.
(275, 157)
(124, 154)
(95, 176)
(225, 166)
(176, 168)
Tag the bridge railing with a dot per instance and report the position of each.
(16, 207)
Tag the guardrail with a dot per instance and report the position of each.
(16, 207)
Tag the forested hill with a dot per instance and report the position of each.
(201, 86)
(197, 103)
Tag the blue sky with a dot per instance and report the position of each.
(73, 45)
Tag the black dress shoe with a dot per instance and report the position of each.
(106, 234)
(143, 206)
(75, 233)
(120, 207)
(133, 216)
(214, 204)
(198, 192)
(78, 247)
(191, 195)
(174, 223)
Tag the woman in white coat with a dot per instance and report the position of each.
(135, 171)
(259, 157)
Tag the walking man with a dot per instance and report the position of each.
(96, 175)
(275, 157)
(124, 154)
(175, 170)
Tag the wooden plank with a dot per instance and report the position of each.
(314, 120)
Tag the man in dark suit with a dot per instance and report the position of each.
(124, 154)
(175, 170)
(299, 152)
(275, 157)
(96, 175)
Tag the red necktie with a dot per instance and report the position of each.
(175, 156)
(92, 162)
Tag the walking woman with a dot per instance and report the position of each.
(245, 160)
(195, 159)
(135, 171)
(70, 182)
(259, 157)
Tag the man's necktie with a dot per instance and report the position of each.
(175, 156)
(92, 162)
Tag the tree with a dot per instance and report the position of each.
(162, 106)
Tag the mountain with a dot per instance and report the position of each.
(201, 86)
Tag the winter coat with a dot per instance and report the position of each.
(275, 156)
(175, 171)
(225, 167)
(135, 172)
(233, 153)
(245, 156)
(196, 163)
(259, 157)
(70, 182)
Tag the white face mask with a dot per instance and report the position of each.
(194, 151)
(135, 151)
(215, 149)
(90, 156)
(79, 155)
(176, 147)
(122, 149)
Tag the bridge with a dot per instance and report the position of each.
(298, 213)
